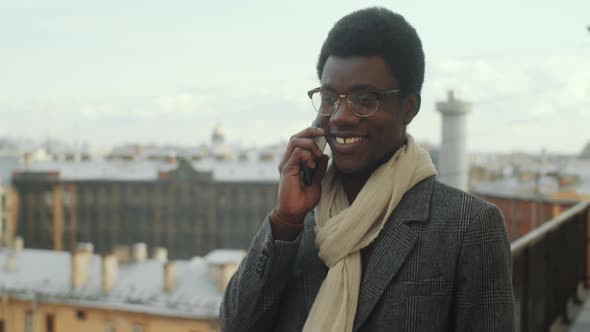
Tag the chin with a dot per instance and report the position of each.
(361, 166)
(351, 167)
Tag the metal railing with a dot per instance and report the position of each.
(549, 264)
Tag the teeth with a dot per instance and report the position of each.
(348, 140)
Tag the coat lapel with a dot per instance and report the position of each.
(392, 247)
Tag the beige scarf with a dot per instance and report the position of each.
(344, 229)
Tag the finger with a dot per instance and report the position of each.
(308, 144)
(303, 139)
(293, 164)
(307, 133)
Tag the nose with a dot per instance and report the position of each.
(343, 115)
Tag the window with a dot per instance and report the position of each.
(28, 321)
(80, 314)
(67, 199)
(221, 200)
(50, 323)
(48, 198)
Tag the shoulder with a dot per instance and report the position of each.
(474, 219)
(452, 203)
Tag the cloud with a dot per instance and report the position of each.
(251, 115)
(516, 104)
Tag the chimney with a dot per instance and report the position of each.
(86, 247)
(109, 272)
(17, 248)
(139, 252)
(226, 272)
(80, 264)
(161, 254)
(18, 245)
(11, 262)
(169, 276)
(122, 253)
(222, 265)
(453, 165)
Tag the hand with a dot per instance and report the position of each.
(296, 199)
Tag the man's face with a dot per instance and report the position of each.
(380, 134)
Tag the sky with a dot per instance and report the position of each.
(168, 72)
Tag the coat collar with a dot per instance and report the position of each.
(391, 248)
(415, 205)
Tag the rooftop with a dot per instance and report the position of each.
(549, 181)
(252, 170)
(45, 275)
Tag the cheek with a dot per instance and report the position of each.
(388, 135)
(323, 121)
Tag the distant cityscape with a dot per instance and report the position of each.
(196, 199)
(148, 236)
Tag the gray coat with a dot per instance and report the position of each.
(441, 263)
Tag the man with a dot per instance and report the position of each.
(375, 243)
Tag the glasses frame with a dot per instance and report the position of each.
(379, 94)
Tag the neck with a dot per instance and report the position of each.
(353, 183)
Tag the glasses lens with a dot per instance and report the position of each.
(324, 102)
(363, 103)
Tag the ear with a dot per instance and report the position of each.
(410, 107)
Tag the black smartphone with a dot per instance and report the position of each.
(306, 172)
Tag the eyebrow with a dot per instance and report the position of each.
(353, 88)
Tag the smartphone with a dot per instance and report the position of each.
(306, 172)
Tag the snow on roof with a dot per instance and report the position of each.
(239, 170)
(579, 167)
(100, 169)
(147, 170)
(45, 275)
(225, 256)
(515, 187)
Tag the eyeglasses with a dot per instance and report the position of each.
(362, 103)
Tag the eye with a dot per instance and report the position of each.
(328, 98)
(365, 99)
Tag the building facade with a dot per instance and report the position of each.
(524, 213)
(189, 207)
(4, 213)
(32, 316)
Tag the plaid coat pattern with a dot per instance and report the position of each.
(441, 263)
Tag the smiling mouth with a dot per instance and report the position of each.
(348, 140)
